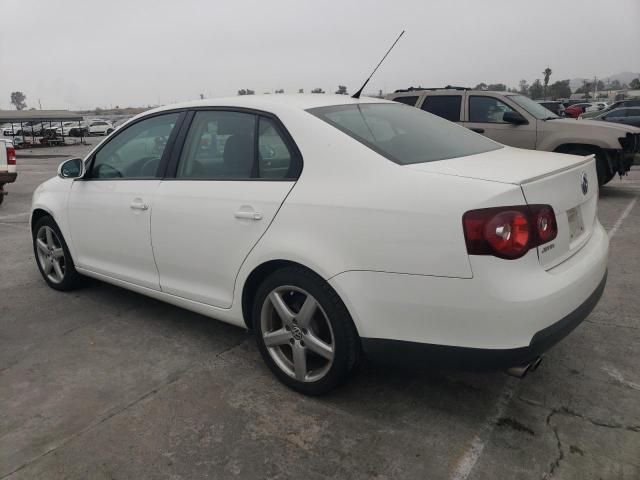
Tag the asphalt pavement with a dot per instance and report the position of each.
(105, 383)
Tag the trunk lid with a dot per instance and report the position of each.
(545, 178)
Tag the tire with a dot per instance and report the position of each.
(54, 252)
(602, 165)
(315, 349)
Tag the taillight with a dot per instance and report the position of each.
(11, 156)
(508, 232)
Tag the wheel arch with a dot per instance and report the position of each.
(39, 213)
(567, 147)
(257, 276)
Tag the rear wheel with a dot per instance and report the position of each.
(605, 174)
(53, 257)
(304, 332)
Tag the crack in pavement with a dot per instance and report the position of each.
(556, 463)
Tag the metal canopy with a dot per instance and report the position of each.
(17, 116)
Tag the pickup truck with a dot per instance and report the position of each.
(515, 120)
(8, 172)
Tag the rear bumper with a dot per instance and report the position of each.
(403, 352)
(513, 308)
(8, 177)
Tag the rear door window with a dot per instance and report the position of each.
(445, 106)
(411, 101)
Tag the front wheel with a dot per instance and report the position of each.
(304, 331)
(53, 257)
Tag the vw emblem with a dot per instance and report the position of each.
(584, 183)
(296, 332)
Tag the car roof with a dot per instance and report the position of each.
(273, 102)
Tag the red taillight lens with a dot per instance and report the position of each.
(508, 232)
(545, 223)
(11, 156)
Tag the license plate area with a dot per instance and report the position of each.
(576, 224)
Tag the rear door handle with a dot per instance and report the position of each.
(138, 204)
(477, 130)
(248, 215)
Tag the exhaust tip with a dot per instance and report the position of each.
(520, 371)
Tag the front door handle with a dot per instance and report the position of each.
(248, 215)
(138, 204)
(477, 130)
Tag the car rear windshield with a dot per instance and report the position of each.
(404, 134)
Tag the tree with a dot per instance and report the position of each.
(536, 90)
(280, 91)
(480, 86)
(202, 96)
(246, 92)
(560, 89)
(497, 87)
(18, 100)
(524, 87)
(635, 84)
(317, 90)
(600, 85)
(301, 90)
(547, 74)
(342, 90)
(615, 85)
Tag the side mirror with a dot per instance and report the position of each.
(513, 118)
(73, 168)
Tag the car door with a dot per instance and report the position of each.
(110, 209)
(485, 116)
(233, 172)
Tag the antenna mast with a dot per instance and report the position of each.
(357, 94)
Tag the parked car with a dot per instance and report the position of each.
(8, 173)
(554, 106)
(323, 267)
(628, 116)
(73, 129)
(597, 107)
(518, 121)
(619, 104)
(577, 109)
(9, 129)
(100, 127)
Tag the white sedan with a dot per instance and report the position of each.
(100, 127)
(333, 227)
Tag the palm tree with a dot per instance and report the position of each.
(547, 73)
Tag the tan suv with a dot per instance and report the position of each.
(518, 121)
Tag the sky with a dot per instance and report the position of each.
(81, 54)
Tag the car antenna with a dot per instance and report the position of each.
(357, 94)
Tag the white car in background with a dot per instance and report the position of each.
(597, 106)
(332, 226)
(100, 127)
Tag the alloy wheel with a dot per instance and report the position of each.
(50, 254)
(297, 333)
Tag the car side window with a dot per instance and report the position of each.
(135, 152)
(487, 109)
(620, 113)
(445, 106)
(219, 145)
(411, 101)
(274, 156)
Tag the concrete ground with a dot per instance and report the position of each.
(104, 383)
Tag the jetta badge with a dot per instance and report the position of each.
(584, 182)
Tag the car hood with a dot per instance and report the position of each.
(585, 127)
(505, 165)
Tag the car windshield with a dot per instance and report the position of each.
(534, 108)
(404, 134)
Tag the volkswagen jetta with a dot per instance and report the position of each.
(333, 226)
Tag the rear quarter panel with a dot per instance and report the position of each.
(353, 209)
